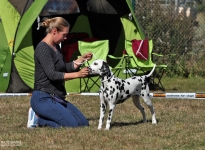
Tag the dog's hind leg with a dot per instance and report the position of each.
(136, 101)
(147, 100)
(110, 114)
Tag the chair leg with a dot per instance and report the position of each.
(117, 71)
(94, 83)
(86, 80)
(80, 85)
(159, 80)
(158, 84)
(86, 84)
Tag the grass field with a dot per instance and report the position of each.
(181, 124)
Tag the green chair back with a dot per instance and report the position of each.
(98, 48)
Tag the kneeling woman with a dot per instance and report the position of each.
(51, 72)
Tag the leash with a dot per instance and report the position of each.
(94, 56)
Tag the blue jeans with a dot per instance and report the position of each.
(54, 114)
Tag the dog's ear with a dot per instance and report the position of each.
(104, 69)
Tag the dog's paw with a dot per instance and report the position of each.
(154, 122)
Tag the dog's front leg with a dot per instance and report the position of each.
(109, 119)
(103, 107)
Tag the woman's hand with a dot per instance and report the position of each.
(83, 72)
(73, 75)
(82, 59)
(87, 56)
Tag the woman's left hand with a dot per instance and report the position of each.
(87, 56)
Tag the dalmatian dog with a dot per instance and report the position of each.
(115, 90)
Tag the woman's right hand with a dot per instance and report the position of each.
(83, 72)
(73, 75)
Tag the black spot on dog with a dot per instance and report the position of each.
(122, 87)
(103, 78)
(103, 105)
(121, 101)
(128, 95)
(110, 112)
(113, 90)
(106, 89)
(117, 96)
(127, 92)
(128, 83)
(117, 83)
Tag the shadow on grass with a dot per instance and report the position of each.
(120, 124)
(92, 119)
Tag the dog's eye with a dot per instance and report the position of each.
(95, 63)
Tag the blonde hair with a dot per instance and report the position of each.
(57, 22)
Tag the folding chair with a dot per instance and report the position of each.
(123, 64)
(100, 50)
(144, 66)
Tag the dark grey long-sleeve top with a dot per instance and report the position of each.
(49, 70)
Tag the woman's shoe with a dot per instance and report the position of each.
(32, 119)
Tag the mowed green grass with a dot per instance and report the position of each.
(181, 124)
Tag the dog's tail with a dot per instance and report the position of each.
(151, 72)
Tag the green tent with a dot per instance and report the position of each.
(19, 33)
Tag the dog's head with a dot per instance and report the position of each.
(99, 67)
